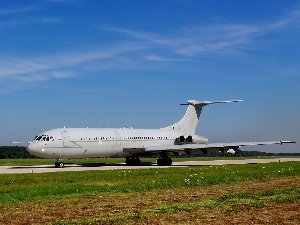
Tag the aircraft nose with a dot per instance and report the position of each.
(32, 148)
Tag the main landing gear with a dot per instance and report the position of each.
(164, 160)
(59, 164)
(132, 161)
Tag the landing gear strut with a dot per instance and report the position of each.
(164, 160)
(132, 161)
(59, 164)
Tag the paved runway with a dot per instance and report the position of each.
(99, 166)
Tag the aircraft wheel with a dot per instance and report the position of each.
(132, 161)
(164, 161)
(59, 165)
(169, 162)
(137, 161)
(128, 161)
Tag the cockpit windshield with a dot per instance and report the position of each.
(44, 137)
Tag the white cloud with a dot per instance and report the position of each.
(211, 39)
(26, 14)
(194, 40)
(158, 58)
(18, 10)
(63, 66)
(187, 44)
(165, 59)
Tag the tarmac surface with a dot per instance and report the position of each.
(103, 166)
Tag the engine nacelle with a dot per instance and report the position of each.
(199, 139)
(195, 139)
(231, 151)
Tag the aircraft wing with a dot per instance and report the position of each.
(211, 147)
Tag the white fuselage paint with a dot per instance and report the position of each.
(100, 142)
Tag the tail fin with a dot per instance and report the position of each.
(187, 125)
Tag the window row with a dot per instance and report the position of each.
(146, 138)
(126, 138)
(95, 139)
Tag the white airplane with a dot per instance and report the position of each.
(176, 139)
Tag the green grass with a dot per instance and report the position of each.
(16, 188)
(33, 162)
(228, 204)
(173, 195)
(256, 200)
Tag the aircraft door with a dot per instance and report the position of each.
(66, 139)
(118, 138)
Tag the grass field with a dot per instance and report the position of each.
(231, 194)
(31, 162)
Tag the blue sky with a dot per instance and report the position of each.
(87, 63)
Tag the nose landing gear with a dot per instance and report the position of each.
(59, 164)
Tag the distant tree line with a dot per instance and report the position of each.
(19, 152)
(249, 154)
(14, 152)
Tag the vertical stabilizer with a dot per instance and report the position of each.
(187, 125)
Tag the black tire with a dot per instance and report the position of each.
(164, 161)
(59, 165)
(132, 161)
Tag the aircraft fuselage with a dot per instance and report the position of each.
(64, 143)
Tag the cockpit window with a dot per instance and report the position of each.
(38, 138)
(44, 137)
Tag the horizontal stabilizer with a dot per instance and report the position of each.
(204, 103)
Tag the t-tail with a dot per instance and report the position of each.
(187, 125)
